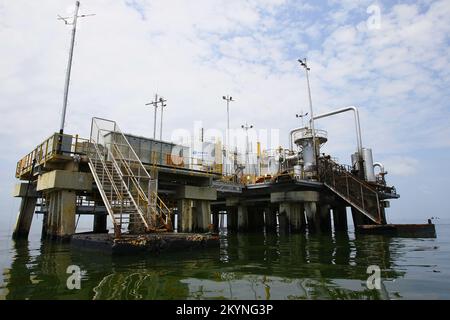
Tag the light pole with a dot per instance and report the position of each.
(157, 103)
(228, 99)
(163, 105)
(69, 65)
(301, 115)
(303, 63)
(246, 127)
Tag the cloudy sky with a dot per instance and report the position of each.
(389, 58)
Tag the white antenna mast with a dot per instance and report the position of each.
(69, 64)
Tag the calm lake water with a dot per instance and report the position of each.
(247, 266)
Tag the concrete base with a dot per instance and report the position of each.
(400, 230)
(144, 244)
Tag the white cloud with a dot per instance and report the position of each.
(401, 165)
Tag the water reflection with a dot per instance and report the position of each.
(248, 266)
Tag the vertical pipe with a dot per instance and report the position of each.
(161, 125)
(154, 121)
(312, 114)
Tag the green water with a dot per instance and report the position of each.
(247, 266)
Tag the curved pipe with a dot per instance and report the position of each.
(379, 165)
(357, 123)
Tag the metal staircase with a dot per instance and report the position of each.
(356, 192)
(128, 191)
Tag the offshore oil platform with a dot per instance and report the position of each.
(160, 195)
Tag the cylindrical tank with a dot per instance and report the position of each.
(369, 171)
(308, 155)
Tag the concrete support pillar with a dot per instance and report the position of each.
(185, 215)
(270, 219)
(61, 213)
(255, 219)
(283, 217)
(340, 218)
(215, 221)
(202, 216)
(100, 223)
(232, 219)
(325, 218)
(242, 218)
(296, 217)
(24, 217)
(292, 217)
(312, 216)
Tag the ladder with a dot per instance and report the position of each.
(128, 191)
(356, 192)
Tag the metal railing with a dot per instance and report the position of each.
(182, 162)
(356, 192)
(114, 156)
(54, 146)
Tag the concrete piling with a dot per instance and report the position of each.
(61, 214)
(232, 220)
(24, 218)
(27, 192)
(340, 218)
(292, 217)
(202, 218)
(255, 219)
(242, 218)
(312, 216)
(325, 218)
(296, 216)
(270, 219)
(185, 215)
(283, 219)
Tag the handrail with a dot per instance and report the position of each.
(132, 172)
(132, 150)
(114, 161)
(105, 167)
(46, 150)
(357, 193)
(139, 189)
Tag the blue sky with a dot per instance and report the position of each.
(193, 52)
